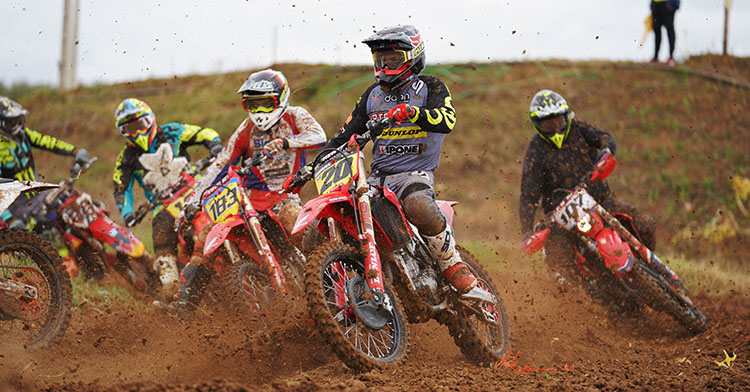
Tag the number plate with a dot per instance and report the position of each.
(175, 206)
(572, 208)
(341, 171)
(224, 201)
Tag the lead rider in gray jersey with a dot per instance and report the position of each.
(406, 154)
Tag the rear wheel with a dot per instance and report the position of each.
(480, 329)
(335, 275)
(41, 310)
(657, 294)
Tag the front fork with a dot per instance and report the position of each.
(273, 268)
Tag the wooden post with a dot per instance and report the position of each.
(727, 6)
(68, 57)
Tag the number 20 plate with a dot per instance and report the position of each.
(340, 172)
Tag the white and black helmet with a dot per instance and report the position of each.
(12, 116)
(547, 105)
(265, 97)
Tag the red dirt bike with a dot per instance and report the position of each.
(96, 243)
(248, 239)
(35, 289)
(610, 257)
(373, 248)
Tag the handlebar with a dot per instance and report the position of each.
(305, 173)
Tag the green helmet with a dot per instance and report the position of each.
(551, 116)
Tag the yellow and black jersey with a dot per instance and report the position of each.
(16, 158)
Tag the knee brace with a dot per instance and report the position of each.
(422, 211)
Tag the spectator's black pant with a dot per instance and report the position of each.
(662, 14)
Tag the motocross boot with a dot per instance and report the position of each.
(166, 267)
(195, 279)
(443, 247)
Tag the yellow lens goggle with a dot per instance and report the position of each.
(260, 104)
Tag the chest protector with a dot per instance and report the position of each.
(405, 147)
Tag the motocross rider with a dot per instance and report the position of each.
(136, 122)
(16, 159)
(563, 150)
(407, 154)
(282, 133)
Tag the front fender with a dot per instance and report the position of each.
(315, 207)
(121, 239)
(616, 253)
(219, 233)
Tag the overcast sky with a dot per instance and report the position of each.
(141, 39)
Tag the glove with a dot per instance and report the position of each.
(601, 153)
(302, 176)
(129, 219)
(82, 156)
(401, 112)
(274, 147)
(186, 215)
(190, 211)
(215, 150)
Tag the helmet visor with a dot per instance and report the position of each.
(135, 127)
(551, 125)
(392, 59)
(14, 124)
(263, 104)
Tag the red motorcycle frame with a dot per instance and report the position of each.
(371, 244)
(612, 253)
(96, 242)
(238, 238)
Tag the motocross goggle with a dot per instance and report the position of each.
(13, 125)
(260, 104)
(137, 127)
(392, 61)
(553, 129)
(551, 125)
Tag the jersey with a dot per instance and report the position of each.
(16, 159)
(296, 127)
(129, 170)
(546, 168)
(413, 145)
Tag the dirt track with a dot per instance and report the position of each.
(126, 348)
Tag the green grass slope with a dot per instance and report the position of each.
(683, 149)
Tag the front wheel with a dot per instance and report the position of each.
(480, 329)
(250, 285)
(35, 290)
(656, 293)
(335, 275)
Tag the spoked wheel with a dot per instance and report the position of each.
(480, 329)
(657, 295)
(35, 290)
(250, 285)
(335, 279)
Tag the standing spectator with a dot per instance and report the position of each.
(662, 14)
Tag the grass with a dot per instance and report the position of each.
(677, 150)
(88, 293)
